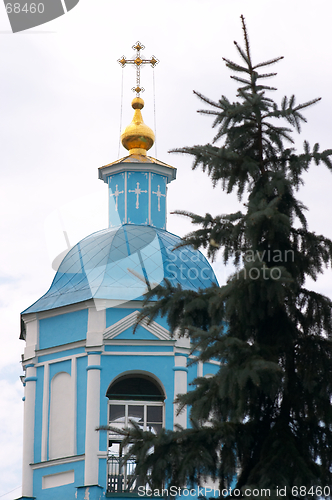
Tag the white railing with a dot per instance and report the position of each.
(121, 475)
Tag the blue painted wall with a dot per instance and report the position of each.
(61, 354)
(63, 329)
(66, 492)
(113, 315)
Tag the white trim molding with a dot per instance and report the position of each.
(58, 461)
(120, 326)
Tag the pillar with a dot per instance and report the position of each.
(180, 386)
(28, 430)
(92, 419)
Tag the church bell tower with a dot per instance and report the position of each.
(84, 367)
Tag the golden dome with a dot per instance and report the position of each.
(137, 137)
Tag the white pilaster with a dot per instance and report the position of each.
(180, 387)
(28, 430)
(92, 419)
(96, 327)
(74, 401)
(45, 411)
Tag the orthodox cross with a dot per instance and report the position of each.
(138, 61)
(159, 194)
(116, 194)
(137, 191)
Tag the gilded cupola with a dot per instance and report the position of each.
(137, 137)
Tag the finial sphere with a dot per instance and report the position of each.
(137, 103)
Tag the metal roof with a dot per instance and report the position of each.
(120, 263)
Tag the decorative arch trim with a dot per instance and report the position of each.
(120, 326)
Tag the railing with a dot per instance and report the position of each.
(121, 476)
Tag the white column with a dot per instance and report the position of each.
(180, 387)
(92, 419)
(45, 411)
(96, 327)
(74, 402)
(28, 430)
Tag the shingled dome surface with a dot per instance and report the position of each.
(120, 263)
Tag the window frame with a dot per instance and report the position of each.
(133, 402)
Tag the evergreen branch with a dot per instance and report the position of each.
(216, 232)
(241, 80)
(266, 75)
(205, 99)
(182, 308)
(235, 67)
(268, 63)
(246, 39)
(243, 54)
(316, 309)
(308, 103)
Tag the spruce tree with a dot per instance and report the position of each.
(265, 419)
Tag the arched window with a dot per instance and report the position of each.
(132, 398)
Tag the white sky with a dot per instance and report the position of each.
(60, 95)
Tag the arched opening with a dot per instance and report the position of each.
(135, 387)
(133, 398)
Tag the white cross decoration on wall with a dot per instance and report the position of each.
(137, 191)
(116, 194)
(159, 194)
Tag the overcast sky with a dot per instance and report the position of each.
(60, 93)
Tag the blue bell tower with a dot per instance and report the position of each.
(137, 188)
(84, 367)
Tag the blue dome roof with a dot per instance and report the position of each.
(120, 263)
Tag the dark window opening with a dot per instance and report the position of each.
(135, 388)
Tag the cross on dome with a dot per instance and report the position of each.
(137, 191)
(159, 194)
(138, 61)
(116, 194)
